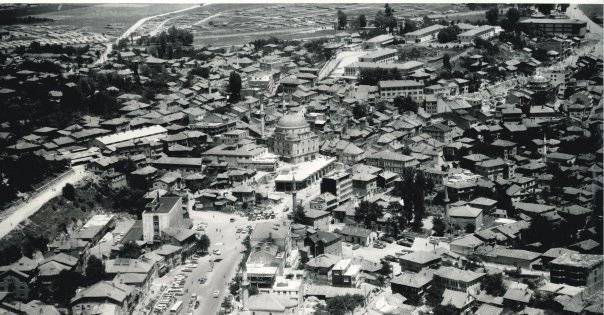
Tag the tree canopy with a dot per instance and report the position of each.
(234, 88)
(342, 19)
(344, 304)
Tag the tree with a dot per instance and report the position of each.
(492, 16)
(359, 111)
(447, 62)
(448, 34)
(95, 271)
(367, 213)
(252, 290)
(344, 304)
(445, 310)
(493, 284)
(342, 19)
(409, 27)
(405, 104)
(438, 226)
(470, 228)
(418, 200)
(512, 15)
(362, 21)
(234, 87)
(203, 243)
(545, 8)
(125, 166)
(64, 286)
(130, 250)
(299, 216)
(69, 192)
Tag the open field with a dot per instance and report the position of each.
(97, 17)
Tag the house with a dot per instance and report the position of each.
(52, 266)
(465, 215)
(577, 269)
(322, 242)
(264, 264)
(271, 304)
(357, 235)
(465, 245)
(320, 265)
(17, 283)
(346, 273)
(325, 201)
(105, 297)
(418, 260)
(461, 301)
(318, 219)
(517, 298)
(412, 285)
(455, 279)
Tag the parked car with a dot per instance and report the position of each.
(216, 293)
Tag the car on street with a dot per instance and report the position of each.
(216, 293)
(217, 252)
(202, 280)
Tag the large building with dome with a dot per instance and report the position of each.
(293, 140)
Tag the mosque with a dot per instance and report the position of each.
(293, 139)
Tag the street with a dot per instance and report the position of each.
(223, 236)
(15, 215)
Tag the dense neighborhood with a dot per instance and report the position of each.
(438, 163)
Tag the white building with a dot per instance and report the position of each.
(483, 31)
(380, 55)
(151, 133)
(163, 213)
(392, 88)
(425, 34)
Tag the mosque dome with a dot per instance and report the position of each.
(292, 120)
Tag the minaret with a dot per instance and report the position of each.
(445, 170)
(294, 192)
(245, 284)
(262, 120)
(544, 148)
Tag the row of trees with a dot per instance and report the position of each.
(23, 172)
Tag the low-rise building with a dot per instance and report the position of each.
(404, 88)
(577, 269)
(418, 260)
(483, 31)
(104, 297)
(425, 34)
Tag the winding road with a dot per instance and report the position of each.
(134, 27)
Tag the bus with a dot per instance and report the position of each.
(175, 309)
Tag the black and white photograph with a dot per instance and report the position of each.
(290, 158)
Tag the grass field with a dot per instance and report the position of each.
(94, 18)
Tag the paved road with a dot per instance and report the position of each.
(17, 214)
(224, 270)
(222, 236)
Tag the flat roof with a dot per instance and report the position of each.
(132, 134)
(399, 83)
(304, 170)
(553, 21)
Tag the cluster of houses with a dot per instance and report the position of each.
(293, 130)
